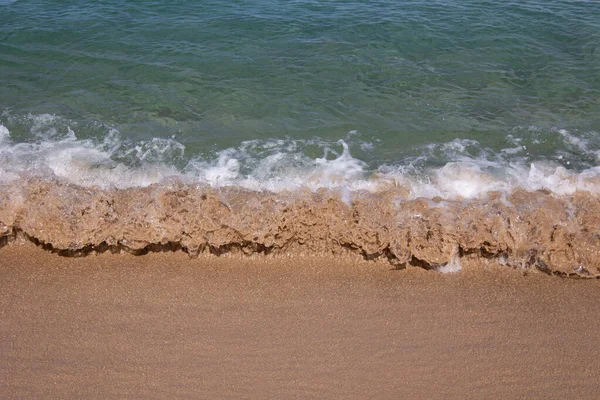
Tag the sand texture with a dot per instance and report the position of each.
(527, 230)
(165, 326)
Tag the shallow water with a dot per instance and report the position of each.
(278, 95)
(424, 133)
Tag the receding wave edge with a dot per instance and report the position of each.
(520, 229)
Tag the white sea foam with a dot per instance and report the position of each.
(4, 133)
(78, 161)
(280, 166)
(54, 149)
(451, 267)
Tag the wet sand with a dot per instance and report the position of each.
(164, 326)
(521, 229)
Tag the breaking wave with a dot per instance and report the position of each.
(459, 169)
(78, 195)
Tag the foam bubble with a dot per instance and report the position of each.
(279, 166)
(4, 133)
(467, 169)
(451, 267)
(346, 196)
(223, 172)
(79, 161)
(466, 180)
(156, 150)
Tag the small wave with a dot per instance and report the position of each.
(518, 229)
(78, 195)
(469, 170)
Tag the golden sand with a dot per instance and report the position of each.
(165, 326)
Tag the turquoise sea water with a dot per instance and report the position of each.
(267, 92)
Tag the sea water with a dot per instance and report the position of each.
(444, 98)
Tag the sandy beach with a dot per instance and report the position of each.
(299, 200)
(164, 326)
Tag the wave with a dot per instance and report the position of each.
(459, 169)
(521, 229)
(76, 196)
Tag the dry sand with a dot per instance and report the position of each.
(164, 326)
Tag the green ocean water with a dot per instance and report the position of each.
(402, 83)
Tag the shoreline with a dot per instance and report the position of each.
(520, 229)
(163, 325)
